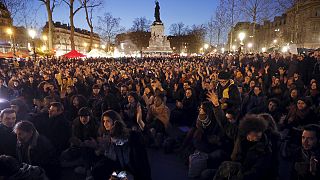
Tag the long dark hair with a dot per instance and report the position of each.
(119, 128)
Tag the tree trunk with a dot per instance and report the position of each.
(50, 26)
(72, 27)
(91, 38)
(219, 32)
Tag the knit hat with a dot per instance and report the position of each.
(224, 75)
(84, 111)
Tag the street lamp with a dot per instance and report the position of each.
(234, 48)
(222, 50)
(45, 39)
(103, 46)
(10, 33)
(275, 41)
(206, 46)
(242, 35)
(32, 34)
(85, 46)
(264, 49)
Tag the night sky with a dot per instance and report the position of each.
(172, 11)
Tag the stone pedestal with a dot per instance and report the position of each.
(158, 42)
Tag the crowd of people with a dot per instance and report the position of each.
(230, 116)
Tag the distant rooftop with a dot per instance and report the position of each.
(68, 27)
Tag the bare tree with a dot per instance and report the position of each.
(222, 23)
(14, 6)
(50, 5)
(178, 29)
(89, 6)
(141, 24)
(109, 27)
(259, 10)
(229, 11)
(211, 29)
(286, 4)
(197, 35)
(72, 12)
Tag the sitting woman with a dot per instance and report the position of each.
(158, 119)
(300, 114)
(121, 150)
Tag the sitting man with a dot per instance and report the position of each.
(228, 93)
(306, 164)
(7, 137)
(84, 133)
(35, 149)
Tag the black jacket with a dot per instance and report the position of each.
(56, 129)
(39, 152)
(302, 164)
(138, 164)
(84, 132)
(8, 141)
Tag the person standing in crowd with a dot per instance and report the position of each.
(7, 137)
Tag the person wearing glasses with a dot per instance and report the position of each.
(228, 93)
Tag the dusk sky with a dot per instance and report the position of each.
(172, 11)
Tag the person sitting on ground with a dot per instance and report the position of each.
(228, 93)
(7, 137)
(252, 152)
(122, 150)
(35, 149)
(306, 163)
(158, 119)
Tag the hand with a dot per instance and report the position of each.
(179, 104)
(212, 97)
(223, 100)
(175, 87)
(313, 165)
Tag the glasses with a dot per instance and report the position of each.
(223, 81)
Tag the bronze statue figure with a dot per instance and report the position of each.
(157, 12)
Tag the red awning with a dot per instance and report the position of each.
(74, 54)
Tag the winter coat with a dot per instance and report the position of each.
(84, 132)
(255, 158)
(8, 141)
(56, 129)
(254, 104)
(39, 152)
(302, 164)
(231, 94)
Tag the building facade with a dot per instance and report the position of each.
(5, 23)
(61, 38)
(299, 25)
